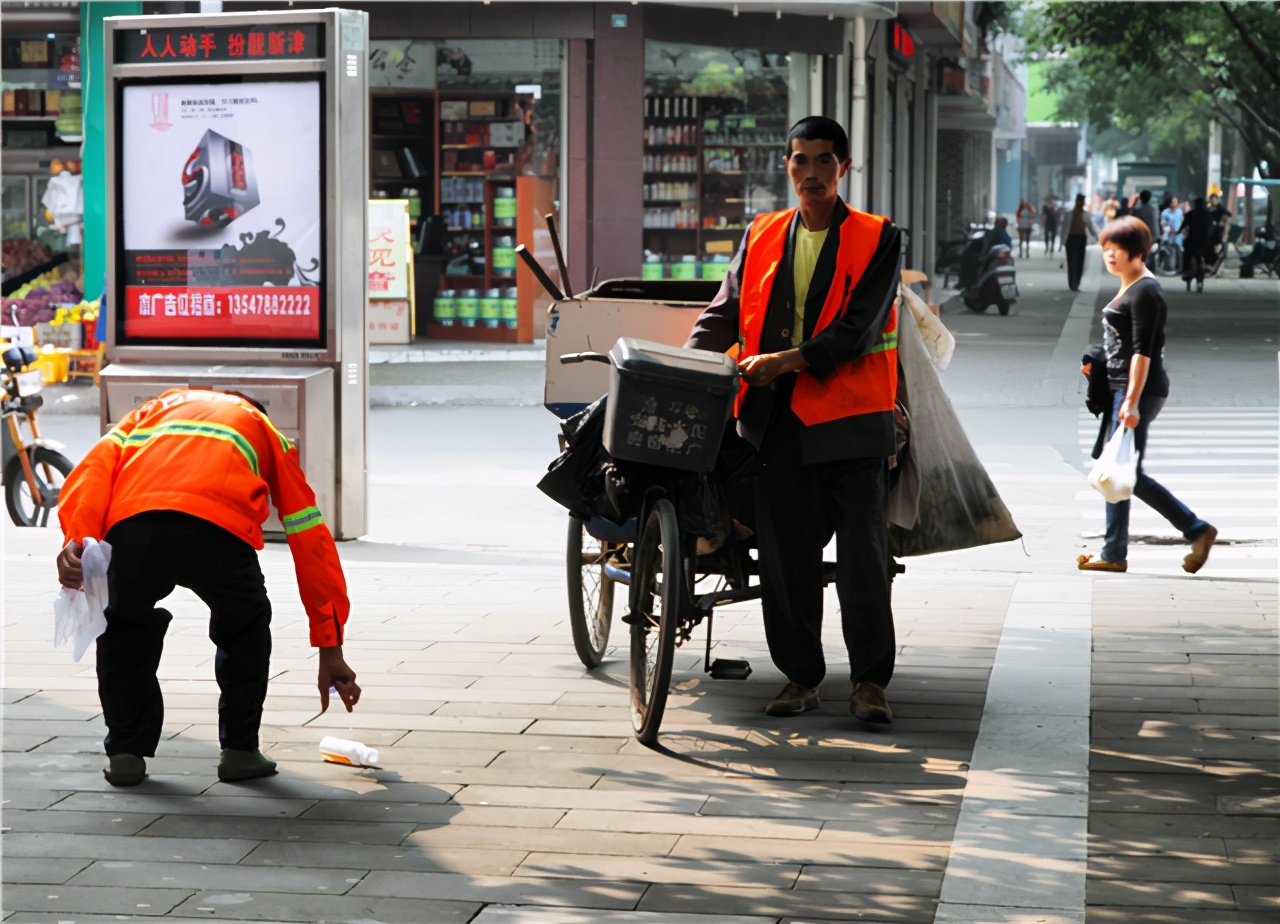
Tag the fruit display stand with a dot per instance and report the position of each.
(67, 346)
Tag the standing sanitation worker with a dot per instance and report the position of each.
(809, 299)
(179, 489)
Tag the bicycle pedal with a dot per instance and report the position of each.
(730, 669)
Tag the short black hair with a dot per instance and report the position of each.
(258, 405)
(1145, 195)
(820, 128)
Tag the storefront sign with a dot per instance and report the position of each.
(390, 254)
(901, 44)
(221, 211)
(297, 41)
(388, 321)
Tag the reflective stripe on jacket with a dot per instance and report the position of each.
(866, 385)
(215, 456)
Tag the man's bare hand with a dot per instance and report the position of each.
(761, 370)
(335, 673)
(69, 573)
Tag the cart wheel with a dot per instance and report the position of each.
(590, 593)
(657, 579)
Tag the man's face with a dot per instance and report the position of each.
(814, 170)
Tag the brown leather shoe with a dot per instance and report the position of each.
(1200, 551)
(868, 704)
(793, 700)
(1087, 563)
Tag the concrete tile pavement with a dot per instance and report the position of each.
(510, 789)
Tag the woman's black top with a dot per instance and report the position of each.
(1133, 322)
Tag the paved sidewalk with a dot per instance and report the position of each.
(1068, 748)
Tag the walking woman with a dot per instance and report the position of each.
(1079, 229)
(1026, 216)
(1133, 341)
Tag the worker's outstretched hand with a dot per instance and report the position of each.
(761, 370)
(335, 673)
(69, 572)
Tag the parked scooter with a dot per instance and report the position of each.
(987, 275)
(33, 469)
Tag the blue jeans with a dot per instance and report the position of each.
(1148, 490)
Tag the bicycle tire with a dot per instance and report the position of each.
(1168, 262)
(590, 594)
(657, 577)
(17, 493)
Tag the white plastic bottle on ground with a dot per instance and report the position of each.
(345, 751)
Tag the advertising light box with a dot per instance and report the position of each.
(221, 216)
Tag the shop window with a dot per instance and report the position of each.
(469, 132)
(715, 128)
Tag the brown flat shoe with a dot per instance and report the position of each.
(1200, 551)
(868, 704)
(1087, 563)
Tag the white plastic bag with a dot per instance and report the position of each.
(1115, 474)
(939, 341)
(78, 615)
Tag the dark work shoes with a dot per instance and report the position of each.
(793, 700)
(124, 770)
(236, 766)
(868, 704)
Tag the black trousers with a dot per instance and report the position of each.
(1075, 245)
(798, 508)
(150, 554)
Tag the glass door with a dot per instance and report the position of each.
(17, 206)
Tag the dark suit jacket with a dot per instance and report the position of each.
(845, 339)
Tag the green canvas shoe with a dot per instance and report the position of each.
(235, 766)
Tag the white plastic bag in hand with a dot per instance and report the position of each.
(1115, 474)
(78, 614)
(940, 342)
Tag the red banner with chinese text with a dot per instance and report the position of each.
(260, 313)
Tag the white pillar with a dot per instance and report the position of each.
(858, 118)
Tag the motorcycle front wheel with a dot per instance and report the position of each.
(50, 469)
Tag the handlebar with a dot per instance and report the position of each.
(586, 357)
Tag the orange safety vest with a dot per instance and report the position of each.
(214, 456)
(866, 385)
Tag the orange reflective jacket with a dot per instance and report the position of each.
(214, 456)
(865, 385)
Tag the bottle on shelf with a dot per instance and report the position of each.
(468, 310)
(504, 256)
(445, 308)
(510, 307)
(491, 306)
(504, 207)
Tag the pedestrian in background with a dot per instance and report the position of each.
(1026, 217)
(1197, 243)
(1079, 230)
(1049, 221)
(1133, 325)
(809, 299)
(179, 489)
(1145, 212)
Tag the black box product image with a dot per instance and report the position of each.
(218, 182)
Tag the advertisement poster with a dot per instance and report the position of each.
(390, 258)
(221, 199)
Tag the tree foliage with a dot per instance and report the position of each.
(1162, 70)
